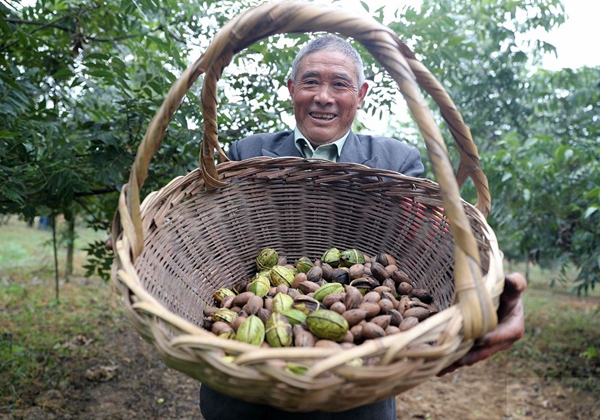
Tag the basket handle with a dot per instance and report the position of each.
(385, 46)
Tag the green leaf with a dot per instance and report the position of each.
(365, 5)
(100, 73)
(589, 211)
(62, 74)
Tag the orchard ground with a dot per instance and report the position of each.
(81, 359)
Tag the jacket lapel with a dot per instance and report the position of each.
(286, 147)
(353, 152)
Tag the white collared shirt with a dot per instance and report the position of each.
(329, 151)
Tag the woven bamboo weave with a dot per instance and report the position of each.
(203, 231)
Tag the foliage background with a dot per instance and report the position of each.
(81, 80)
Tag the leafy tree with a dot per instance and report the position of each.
(536, 130)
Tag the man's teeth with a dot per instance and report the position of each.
(322, 116)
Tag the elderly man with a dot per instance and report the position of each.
(327, 87)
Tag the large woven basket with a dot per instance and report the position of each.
(203, 231)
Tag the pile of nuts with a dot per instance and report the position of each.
(337, 301)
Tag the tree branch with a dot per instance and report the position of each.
(42, 24)
(53, 24)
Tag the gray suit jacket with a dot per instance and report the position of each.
(374, 152)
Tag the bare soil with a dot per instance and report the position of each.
(127, 380)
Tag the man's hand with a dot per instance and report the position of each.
(511, 325)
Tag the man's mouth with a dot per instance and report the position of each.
(322, 116)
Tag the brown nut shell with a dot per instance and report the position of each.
(332, 298)
(299, 278)
(314, 274)
(338, 307)
(235, 324)
(308, 287)
(356, 271)
(372, 297)
(220, 327)
(382, 320)
(392, 330)
(254, 304)
(400, 276)
(353, 297)
(210, 311)
(327, 344)
(354, 316)
(303, 338)
(370, 331)
(396, 317)
(378, 271)
(241, 299)
(422, 294)
(386, 306)
(408, 323)
(385, 288)
(417, 312)
(404, 288)
(372, 309)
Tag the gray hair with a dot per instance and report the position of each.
(330, 43)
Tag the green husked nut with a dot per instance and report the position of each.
(331, 257)
(327, 289)
(304, 264)
(282, 275)
(251, 331)
(225, 315)
(229, 335)
(282, 302)
(296, 368)
(350, 257)
(222, 293)
(295, 316)
(259, 288)
(263, 276)
(278, 331)
(306, 304)
(327, 324)
(266, 259)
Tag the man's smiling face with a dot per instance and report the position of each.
(326, 96)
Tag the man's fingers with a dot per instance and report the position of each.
(515, 283)
(510, 329)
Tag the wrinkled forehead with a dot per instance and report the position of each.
(342, 66)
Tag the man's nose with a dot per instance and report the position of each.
(323, 96)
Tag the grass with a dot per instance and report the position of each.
(561, 340)
(27, 251)
(545, 279)
(37, 333)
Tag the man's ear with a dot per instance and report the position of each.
(291, 87)
(362, 93)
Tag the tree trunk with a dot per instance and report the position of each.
(70, 247)
(55, 246)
